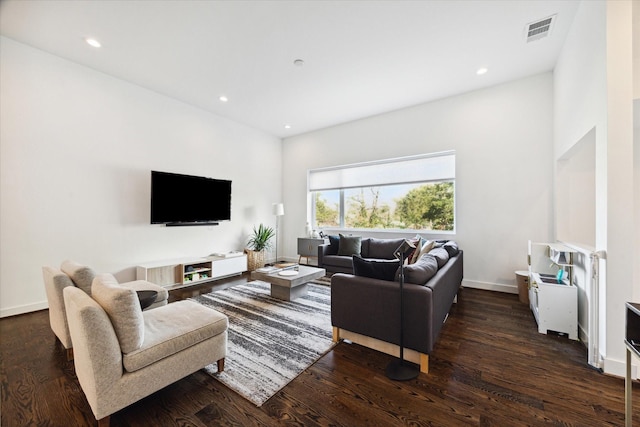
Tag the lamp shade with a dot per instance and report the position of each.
(403, 248)
(278, 209)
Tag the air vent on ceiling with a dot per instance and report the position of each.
(539, 29)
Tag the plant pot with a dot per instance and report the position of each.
(255, 259)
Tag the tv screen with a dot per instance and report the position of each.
(189, 200)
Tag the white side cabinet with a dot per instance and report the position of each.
(230, 266)
(553, 301)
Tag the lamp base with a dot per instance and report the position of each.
(401, 370)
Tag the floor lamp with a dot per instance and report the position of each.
(398, 369)
(278, 211)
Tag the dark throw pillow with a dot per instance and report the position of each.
(420, 271)
(383, 270)
(334, 244)
(451, 247)
(349, 245)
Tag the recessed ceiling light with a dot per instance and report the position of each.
(92, 42)
(287, 126)
(482, 71)
(223, 98)
(298, 62)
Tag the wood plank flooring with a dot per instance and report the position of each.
(490, 367)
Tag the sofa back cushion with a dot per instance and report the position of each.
(383, 270)
(123, 308)
(349, 245)
(441, 255)
(383, 248)
(364, 247)
(81, 275)
(420, 271)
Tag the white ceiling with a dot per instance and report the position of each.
(361, 57)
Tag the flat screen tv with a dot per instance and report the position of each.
(189, 200)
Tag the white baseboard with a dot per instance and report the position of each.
(22, 309)
(488, 286)
(618, 368)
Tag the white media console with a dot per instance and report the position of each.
(177, 273)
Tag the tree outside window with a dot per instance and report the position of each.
(423, 206)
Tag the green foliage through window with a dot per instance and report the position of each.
(426, 206)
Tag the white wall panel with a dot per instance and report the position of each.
(502, 137)
(77, 148)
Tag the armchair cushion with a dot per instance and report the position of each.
(173, 328)
(81, 275)
(123, 308)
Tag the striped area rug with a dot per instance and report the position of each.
(270, 341)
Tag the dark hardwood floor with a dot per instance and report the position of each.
(490, 368)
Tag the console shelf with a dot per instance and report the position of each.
(182, 272)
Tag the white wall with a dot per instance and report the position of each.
(504, 166)
(77, 147)
(592, 90)
(576, 193)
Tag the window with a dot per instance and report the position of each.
(413, 193)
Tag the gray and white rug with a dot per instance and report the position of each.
(270, 341)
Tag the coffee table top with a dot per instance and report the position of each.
(304, 275)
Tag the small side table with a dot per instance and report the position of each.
(632, 342)
(308, 247)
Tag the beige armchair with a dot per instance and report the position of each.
(80, 276)
(123, 354)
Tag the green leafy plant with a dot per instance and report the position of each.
(261, 238)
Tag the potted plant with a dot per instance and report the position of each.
(259, 241)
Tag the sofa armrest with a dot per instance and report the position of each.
(55, 281)
(371, 307)
(97, 353)
(322, 251)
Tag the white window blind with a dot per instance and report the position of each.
(404, 170)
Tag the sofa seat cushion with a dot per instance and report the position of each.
(172, 328)
(338, 261)
(81, 275)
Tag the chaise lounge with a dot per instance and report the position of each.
(123, 354)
